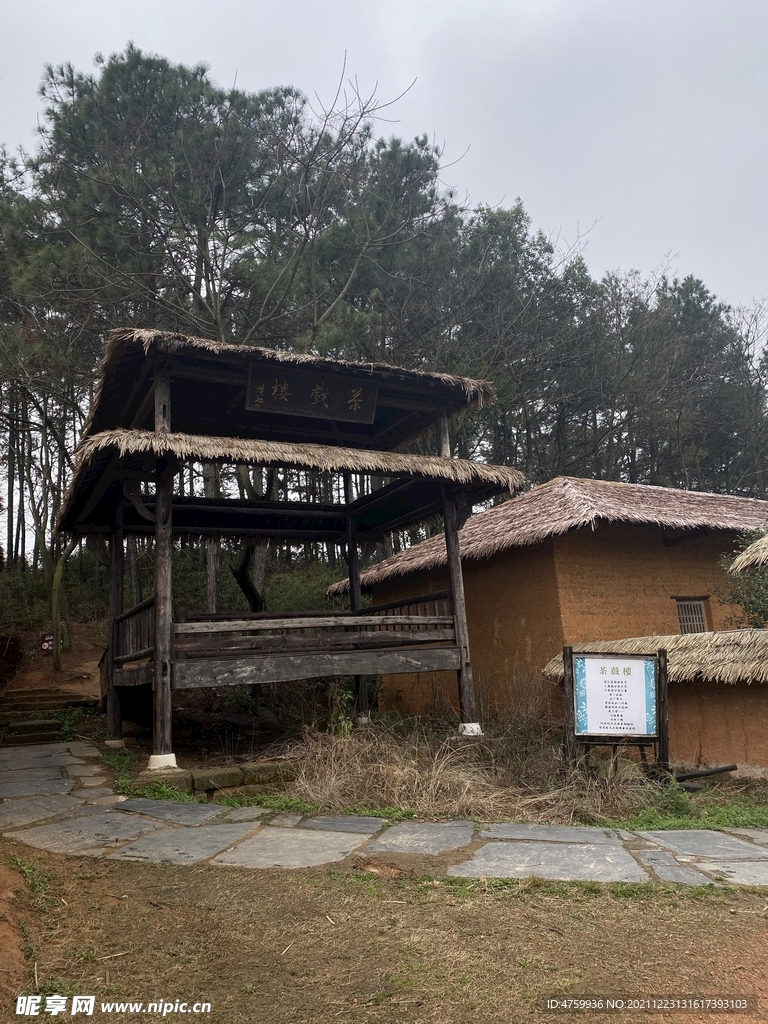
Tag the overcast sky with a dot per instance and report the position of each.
(638, 126)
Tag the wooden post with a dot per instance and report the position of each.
(355, 598)
(662, 710)
(569, 707)
(443, 437)
(116, 562)
(162, 755)
(467, 702)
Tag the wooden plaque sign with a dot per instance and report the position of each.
(614, 699)
(615, 696)
(290, 391)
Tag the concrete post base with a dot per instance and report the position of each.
(161, 761)
(115, 744)
(470, 729)
(363, 720)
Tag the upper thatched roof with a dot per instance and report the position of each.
(208, 378)
(737, 656)
(142, 448)
(753, 557)
(568, 503)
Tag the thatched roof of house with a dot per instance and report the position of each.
(737, 656)
(142, 448)
(753, 557)
(569, 503)
(127, 349)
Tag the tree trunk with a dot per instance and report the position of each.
(133, 562)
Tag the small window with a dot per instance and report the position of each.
(693, 618)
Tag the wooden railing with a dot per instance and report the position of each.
(429, 606)
(135, 632)
(415, 621)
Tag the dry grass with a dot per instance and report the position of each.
(514, 771)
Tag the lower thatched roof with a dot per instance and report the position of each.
(737, 656)
(568, 503)
(94, 454)
(753, 557)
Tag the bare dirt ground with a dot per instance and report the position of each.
(80, 669)
(14, 970)
(350, 945)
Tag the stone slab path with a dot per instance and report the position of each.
(53, 797)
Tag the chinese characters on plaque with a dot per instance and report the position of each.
(615, 696)
(288, 391)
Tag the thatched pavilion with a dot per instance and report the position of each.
(162, 400)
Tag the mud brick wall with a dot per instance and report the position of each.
(617, 581)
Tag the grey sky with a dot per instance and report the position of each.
(639, 124)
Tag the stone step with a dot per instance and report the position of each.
(33, 724)
(17, 739)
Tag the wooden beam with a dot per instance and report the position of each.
(277, 668)
(139, 675)
(102, 485)
(317, 622)
(116, 562)
(143, 411)
(128, 404)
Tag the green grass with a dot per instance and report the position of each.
(272, 803)
(38, 884)
(388, 813)
(674, 808)
(162, 791)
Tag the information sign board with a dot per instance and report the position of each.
(615, 695)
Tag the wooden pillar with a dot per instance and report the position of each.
(162, 755)
(662, 711)
(116, 564)
(467, 701)
(355, 599)
(569, 709)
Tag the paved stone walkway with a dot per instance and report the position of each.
(53, 797)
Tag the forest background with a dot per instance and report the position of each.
(156, 199)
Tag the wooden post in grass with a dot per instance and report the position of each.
(662, 711)
(116, 561)
(469, 725)
(162, 755)
(355, 597)
(569, 709)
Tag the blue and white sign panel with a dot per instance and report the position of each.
(615, 696)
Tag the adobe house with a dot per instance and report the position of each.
(571, 561)
(164, 401)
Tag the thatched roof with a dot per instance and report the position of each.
(221, 365)
(569, 503)
(753, 557)
(143, 448)
(737, 656)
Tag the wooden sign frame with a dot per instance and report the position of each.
(659, 740)
(289, 390)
